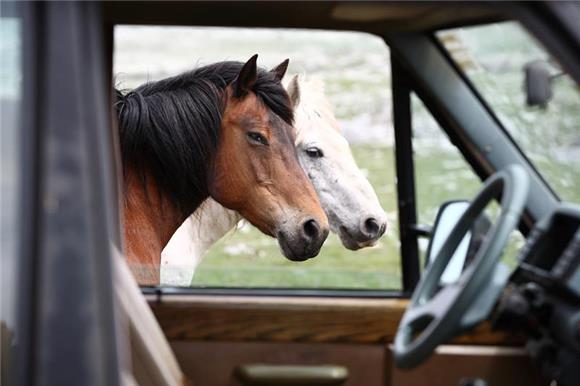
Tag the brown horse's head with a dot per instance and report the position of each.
(256, 171)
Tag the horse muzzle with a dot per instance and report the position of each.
(366, 234)
(303, 243)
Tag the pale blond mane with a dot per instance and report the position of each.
(314, 101)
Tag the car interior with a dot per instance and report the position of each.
(463, 315)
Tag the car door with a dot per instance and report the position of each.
(216, 331)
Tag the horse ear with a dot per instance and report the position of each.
(280, 70)
(294, 91)
(246, 78)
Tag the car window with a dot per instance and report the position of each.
(10, 104)
(442, 174)
(354, 69)
(494, 57)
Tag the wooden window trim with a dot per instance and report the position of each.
(293, 319)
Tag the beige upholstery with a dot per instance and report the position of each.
(151, 360)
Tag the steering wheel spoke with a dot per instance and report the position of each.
(435, 307)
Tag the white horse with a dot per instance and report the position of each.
(347, 197)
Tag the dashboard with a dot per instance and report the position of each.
(542, 300)
(551, 256)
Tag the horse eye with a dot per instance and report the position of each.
(314, 152)
(257, 137)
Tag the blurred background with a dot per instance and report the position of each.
(356, 72)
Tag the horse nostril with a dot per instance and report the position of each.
(371, 227)
(311, 229)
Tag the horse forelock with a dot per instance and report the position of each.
(314, 104)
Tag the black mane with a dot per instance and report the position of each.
(169, 129)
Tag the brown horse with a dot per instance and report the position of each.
(224, 131)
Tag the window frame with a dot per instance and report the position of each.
(473, 154)
(409, 259)
(405, 167)
(403, 83)
(48, 311)
(28, 190)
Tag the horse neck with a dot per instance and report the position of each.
(150, 219)
(214, 222)
(191, 241)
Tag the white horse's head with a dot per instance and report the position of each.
(352, 207)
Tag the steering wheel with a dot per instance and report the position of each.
(434, 316)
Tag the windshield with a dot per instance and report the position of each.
(494, 57)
